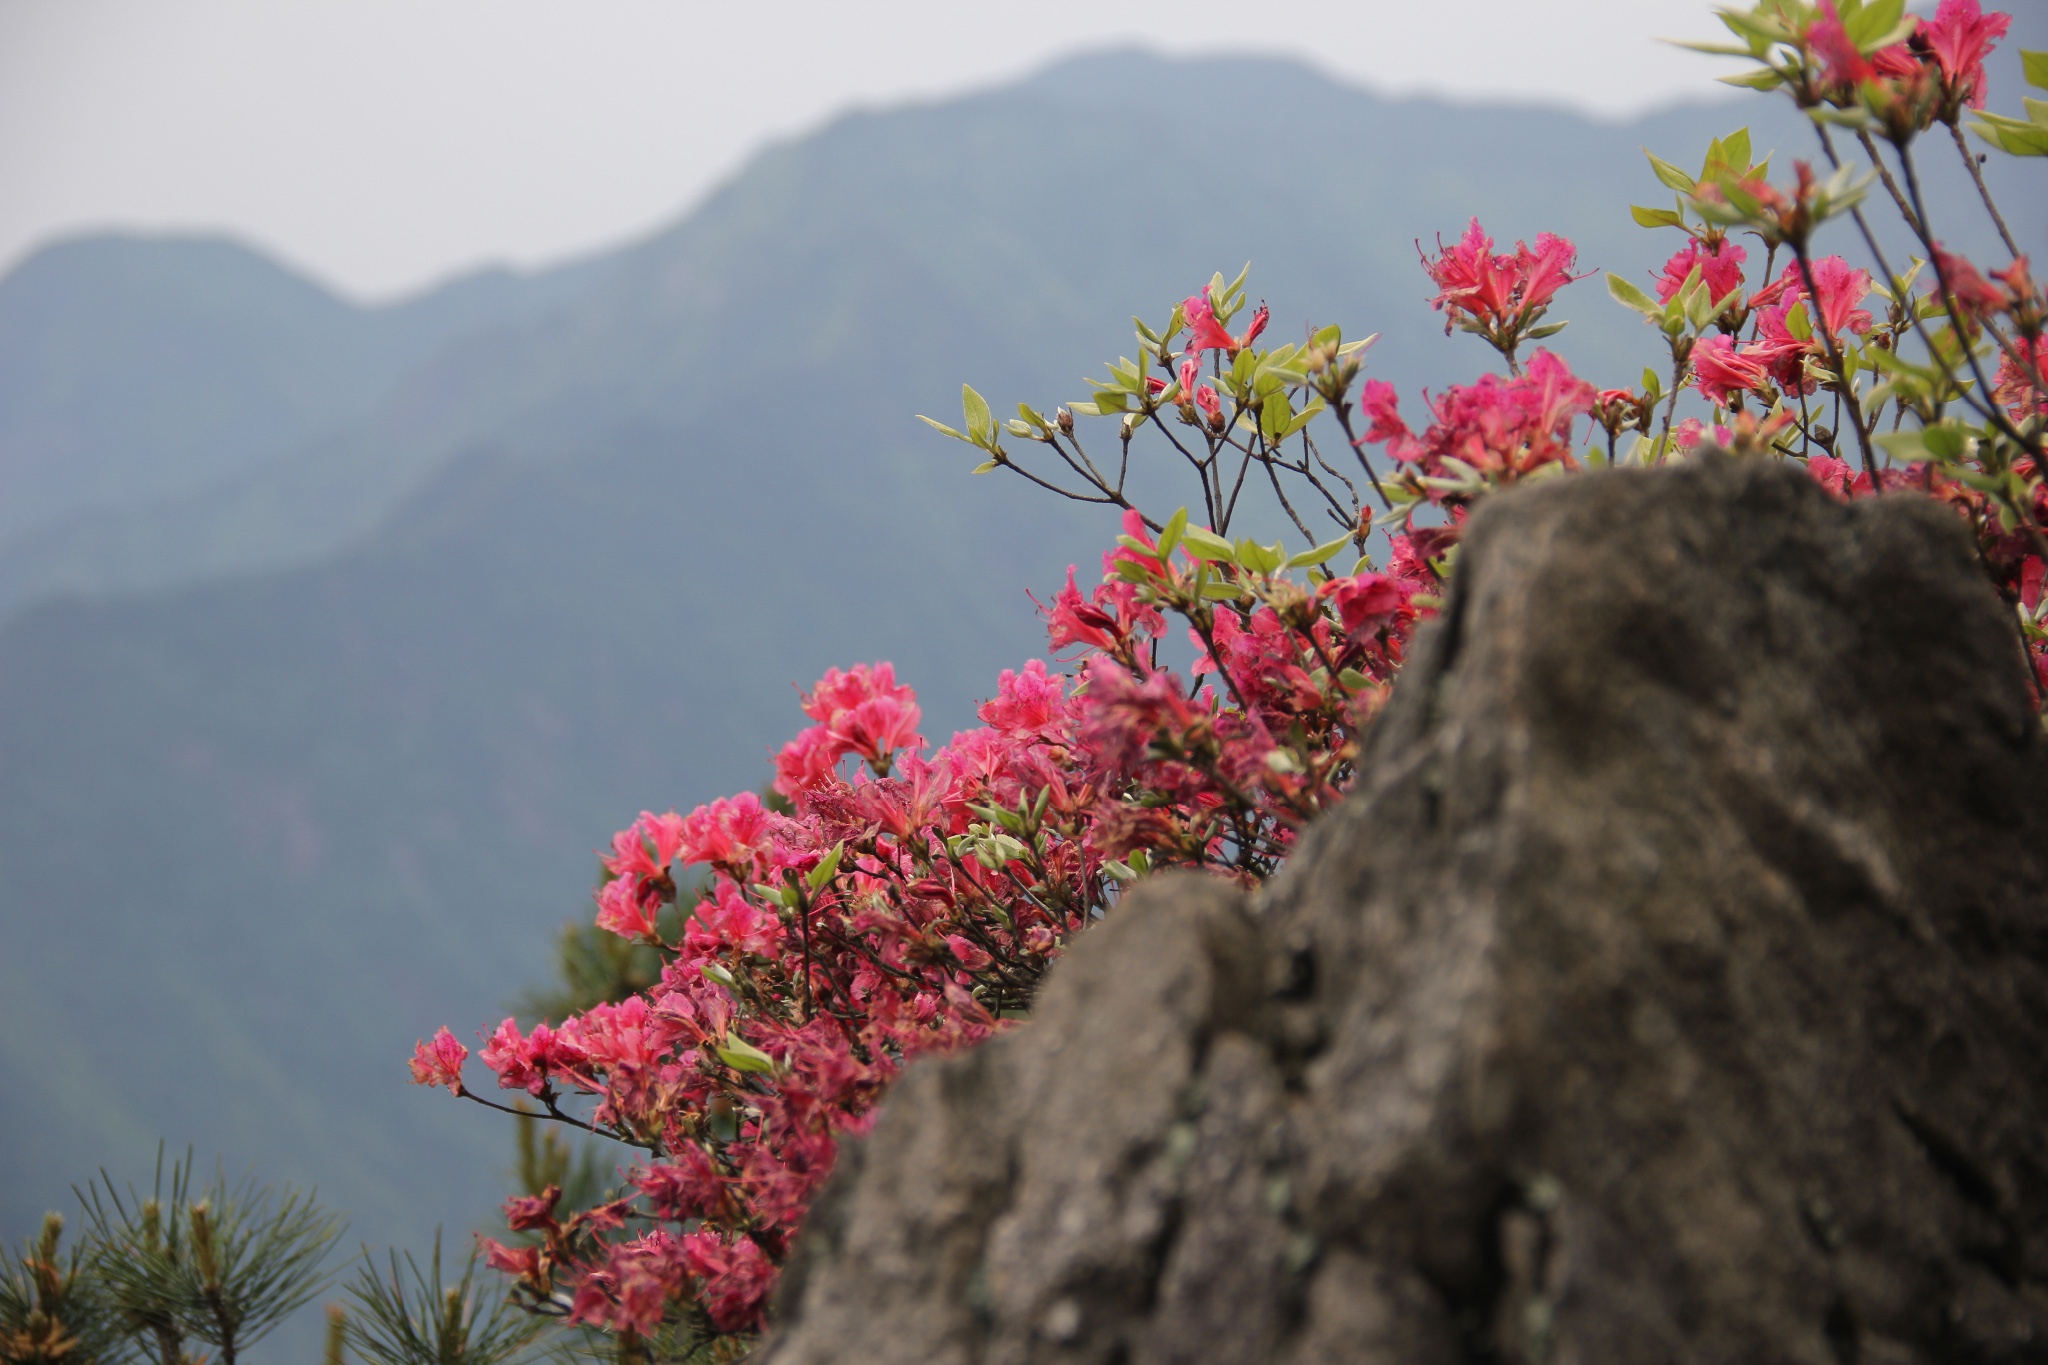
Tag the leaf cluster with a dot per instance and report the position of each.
(217, 1263)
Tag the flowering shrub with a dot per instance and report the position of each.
(890, 898)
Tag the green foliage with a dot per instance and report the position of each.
(220, 1264)
(411, 1317)
(52, 1310)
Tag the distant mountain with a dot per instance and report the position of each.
(344, 635)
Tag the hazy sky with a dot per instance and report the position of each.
(382, 144)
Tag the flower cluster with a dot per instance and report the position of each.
(1930, 71)
(1500, 297)
(904, 900)
(1496, 430)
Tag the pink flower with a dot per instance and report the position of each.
(525, 1213)
(864, 711)
(1260, 317)
(728, 920)
(2014, 385)
(1688, 434)
(1960, 36)
(808, 760)
(439, 1062)
(1366, 602)
(1976, 296)
(1723, 372)
(626, 906)
(1784, 355)
(527, 1063)
(1841, 287)
(736, 1278)
(519, 1262)
(1834, 475)
(1498, 426)
(1207, 333)
(966, 953)
(1720, 267)
(878, 727)
(1841, 63)
(732, 831)
(1497, 289)
(1202, 395)
(838, 692)
(684, 1184)
(646, 847)
(1073, 620)
(1030, 703)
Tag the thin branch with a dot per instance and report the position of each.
(1983, 191)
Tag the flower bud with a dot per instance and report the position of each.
(1065, 421)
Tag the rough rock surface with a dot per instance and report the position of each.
(1674, 989)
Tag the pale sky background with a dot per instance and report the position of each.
(384, 144)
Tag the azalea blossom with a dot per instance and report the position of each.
(1720, 266)
(439, 1062)
(1498, 291)
(1207, 333)
(1722, 372)
(2015, 385)
(1499, 427)
(1960, 36)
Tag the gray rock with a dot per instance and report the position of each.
(1673, 989)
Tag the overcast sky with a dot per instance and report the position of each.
(383, 144)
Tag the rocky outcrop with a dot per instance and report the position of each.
(1674, 988)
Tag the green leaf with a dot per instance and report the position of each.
(1321, 554)
(1260, 558)
(1655, 218)
(1756, 26)
(2011, 135)
(1880, 23)
(1629, 296)
(1766, 79)
(1274, 414)
(1906, 447)
(941, 426)
(1547, 330)
(1206, 545)
(1169, 536)
(1235, 287)
(981, 423)
(741, 1055)
(985, 466)
(2034, 67)
(828, 866)
(1303, 418)
(1735, 150)
(1670, 175)
(1221, 591)
(1653, 383)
